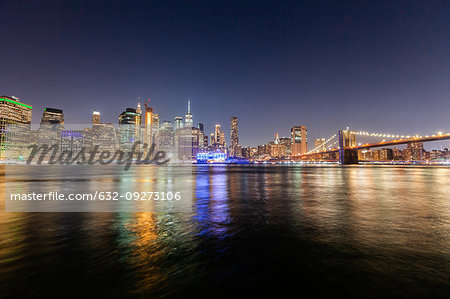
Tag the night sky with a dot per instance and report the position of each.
(381, 66)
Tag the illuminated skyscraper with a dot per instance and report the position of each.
(52, 116)
(166, 139)
(139, 115)
(178, 122)
(155, 123)
(148, 135)
(188, 120)
(95, 118)
(299, 140)
(13, 111)
(234, 137)
(217, 134)
(127, 129)
(277, 149)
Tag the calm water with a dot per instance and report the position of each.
(363, 230)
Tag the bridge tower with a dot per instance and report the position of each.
(347, 155)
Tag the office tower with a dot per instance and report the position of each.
(187, 143)
(205, 141)
(217, 134)
(95, 117)
(155, 123)
(166, 139)
(299, 141)
(319, 144)
(188, 120)
(13, 111)
(128, 117)
(52, 116)
(178, 122)
(139, 115)
(212, 140)
(222, 138)
(234, 136)
(52, 122)
(200, 127)
(148, 134)
(276, 148)
(127, 129)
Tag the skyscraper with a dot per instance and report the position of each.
(234, 136)
(188, 120)
(217, 139)
(148, 135)
(178, 122)
(52, 116)
(200, 127)
(95, 117)
(13, 111)
(299, 140)
(127, 129)
(155, 123)
(139, 115)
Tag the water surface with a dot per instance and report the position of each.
(255, 230)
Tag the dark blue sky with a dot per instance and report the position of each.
(379, 66)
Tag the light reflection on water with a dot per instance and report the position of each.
(360, 230)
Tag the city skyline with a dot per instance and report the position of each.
(322, 70)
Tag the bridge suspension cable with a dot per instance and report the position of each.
(323, 146)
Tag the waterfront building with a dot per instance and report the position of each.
(165, 139)
(299, 140)
(187, 143)
(415, 151)
(52, 122)
(234, 137)
(15, 118)
(277, 150)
